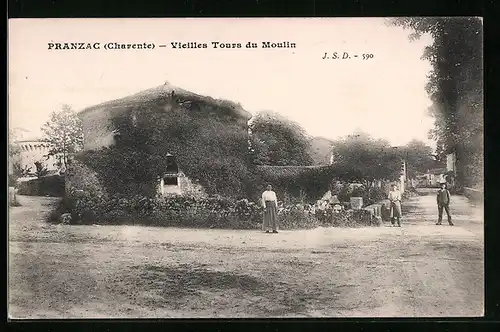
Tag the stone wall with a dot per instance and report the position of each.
(474, 195)
(184, 187)
(379, 210)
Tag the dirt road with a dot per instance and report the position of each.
(419, 270)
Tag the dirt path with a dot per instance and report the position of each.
(126, 271)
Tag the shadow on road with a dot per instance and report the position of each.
(175, 287)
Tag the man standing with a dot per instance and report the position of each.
(395, 201)
(443, 202)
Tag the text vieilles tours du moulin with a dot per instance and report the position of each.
(264, 44)
(173, 45)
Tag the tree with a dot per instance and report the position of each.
(277, 141)
(365, 159)
(15, 169)
(418, 156)
(41, 170)
(320, 150)
(19, 171)
(455, 87)
(64, 133)
(13, 146)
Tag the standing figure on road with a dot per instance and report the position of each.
(270, 203)
(443, 202)
(395, 201)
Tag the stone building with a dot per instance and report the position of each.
(32, 151)
(99, 129)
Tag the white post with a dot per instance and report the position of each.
(162, 190)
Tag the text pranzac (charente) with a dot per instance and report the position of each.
(172, 45)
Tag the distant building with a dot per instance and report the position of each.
(433, 177)
(30, 152)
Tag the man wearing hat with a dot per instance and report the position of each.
(395, 205)
(443, 202)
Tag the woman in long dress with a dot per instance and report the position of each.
(270, 203)
(395, 200)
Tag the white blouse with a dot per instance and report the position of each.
(269, 195)
(394, 195)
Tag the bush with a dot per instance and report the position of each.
(170, 211)
(375, 195)
(370, 196)
(359, 191)
(301, 183)
(80, 177)
(45, 186)
(12, 180)
(346, 218)
(180, 211)
(63, 206)
(295, 217)
(345, 192)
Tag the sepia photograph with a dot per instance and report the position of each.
(245, 168)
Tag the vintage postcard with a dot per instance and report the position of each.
(245, 168)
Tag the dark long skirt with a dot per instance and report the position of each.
(270, 216)
(396, 210)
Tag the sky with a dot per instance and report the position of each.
(383, 96)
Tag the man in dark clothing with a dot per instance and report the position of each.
(443, 202)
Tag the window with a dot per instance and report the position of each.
(172, 172)
(170, 180)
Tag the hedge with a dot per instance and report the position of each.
(212, 212)
(46, 186)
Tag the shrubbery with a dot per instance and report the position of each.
(81, 177)
(179, 211)
(44, 186)
(307, 183)
(310, 184)
(170, 211)
(295, 217)
(346, 218)
(370, 196)
(375, 195)
(12, 180)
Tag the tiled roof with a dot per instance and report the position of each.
(280, 171)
